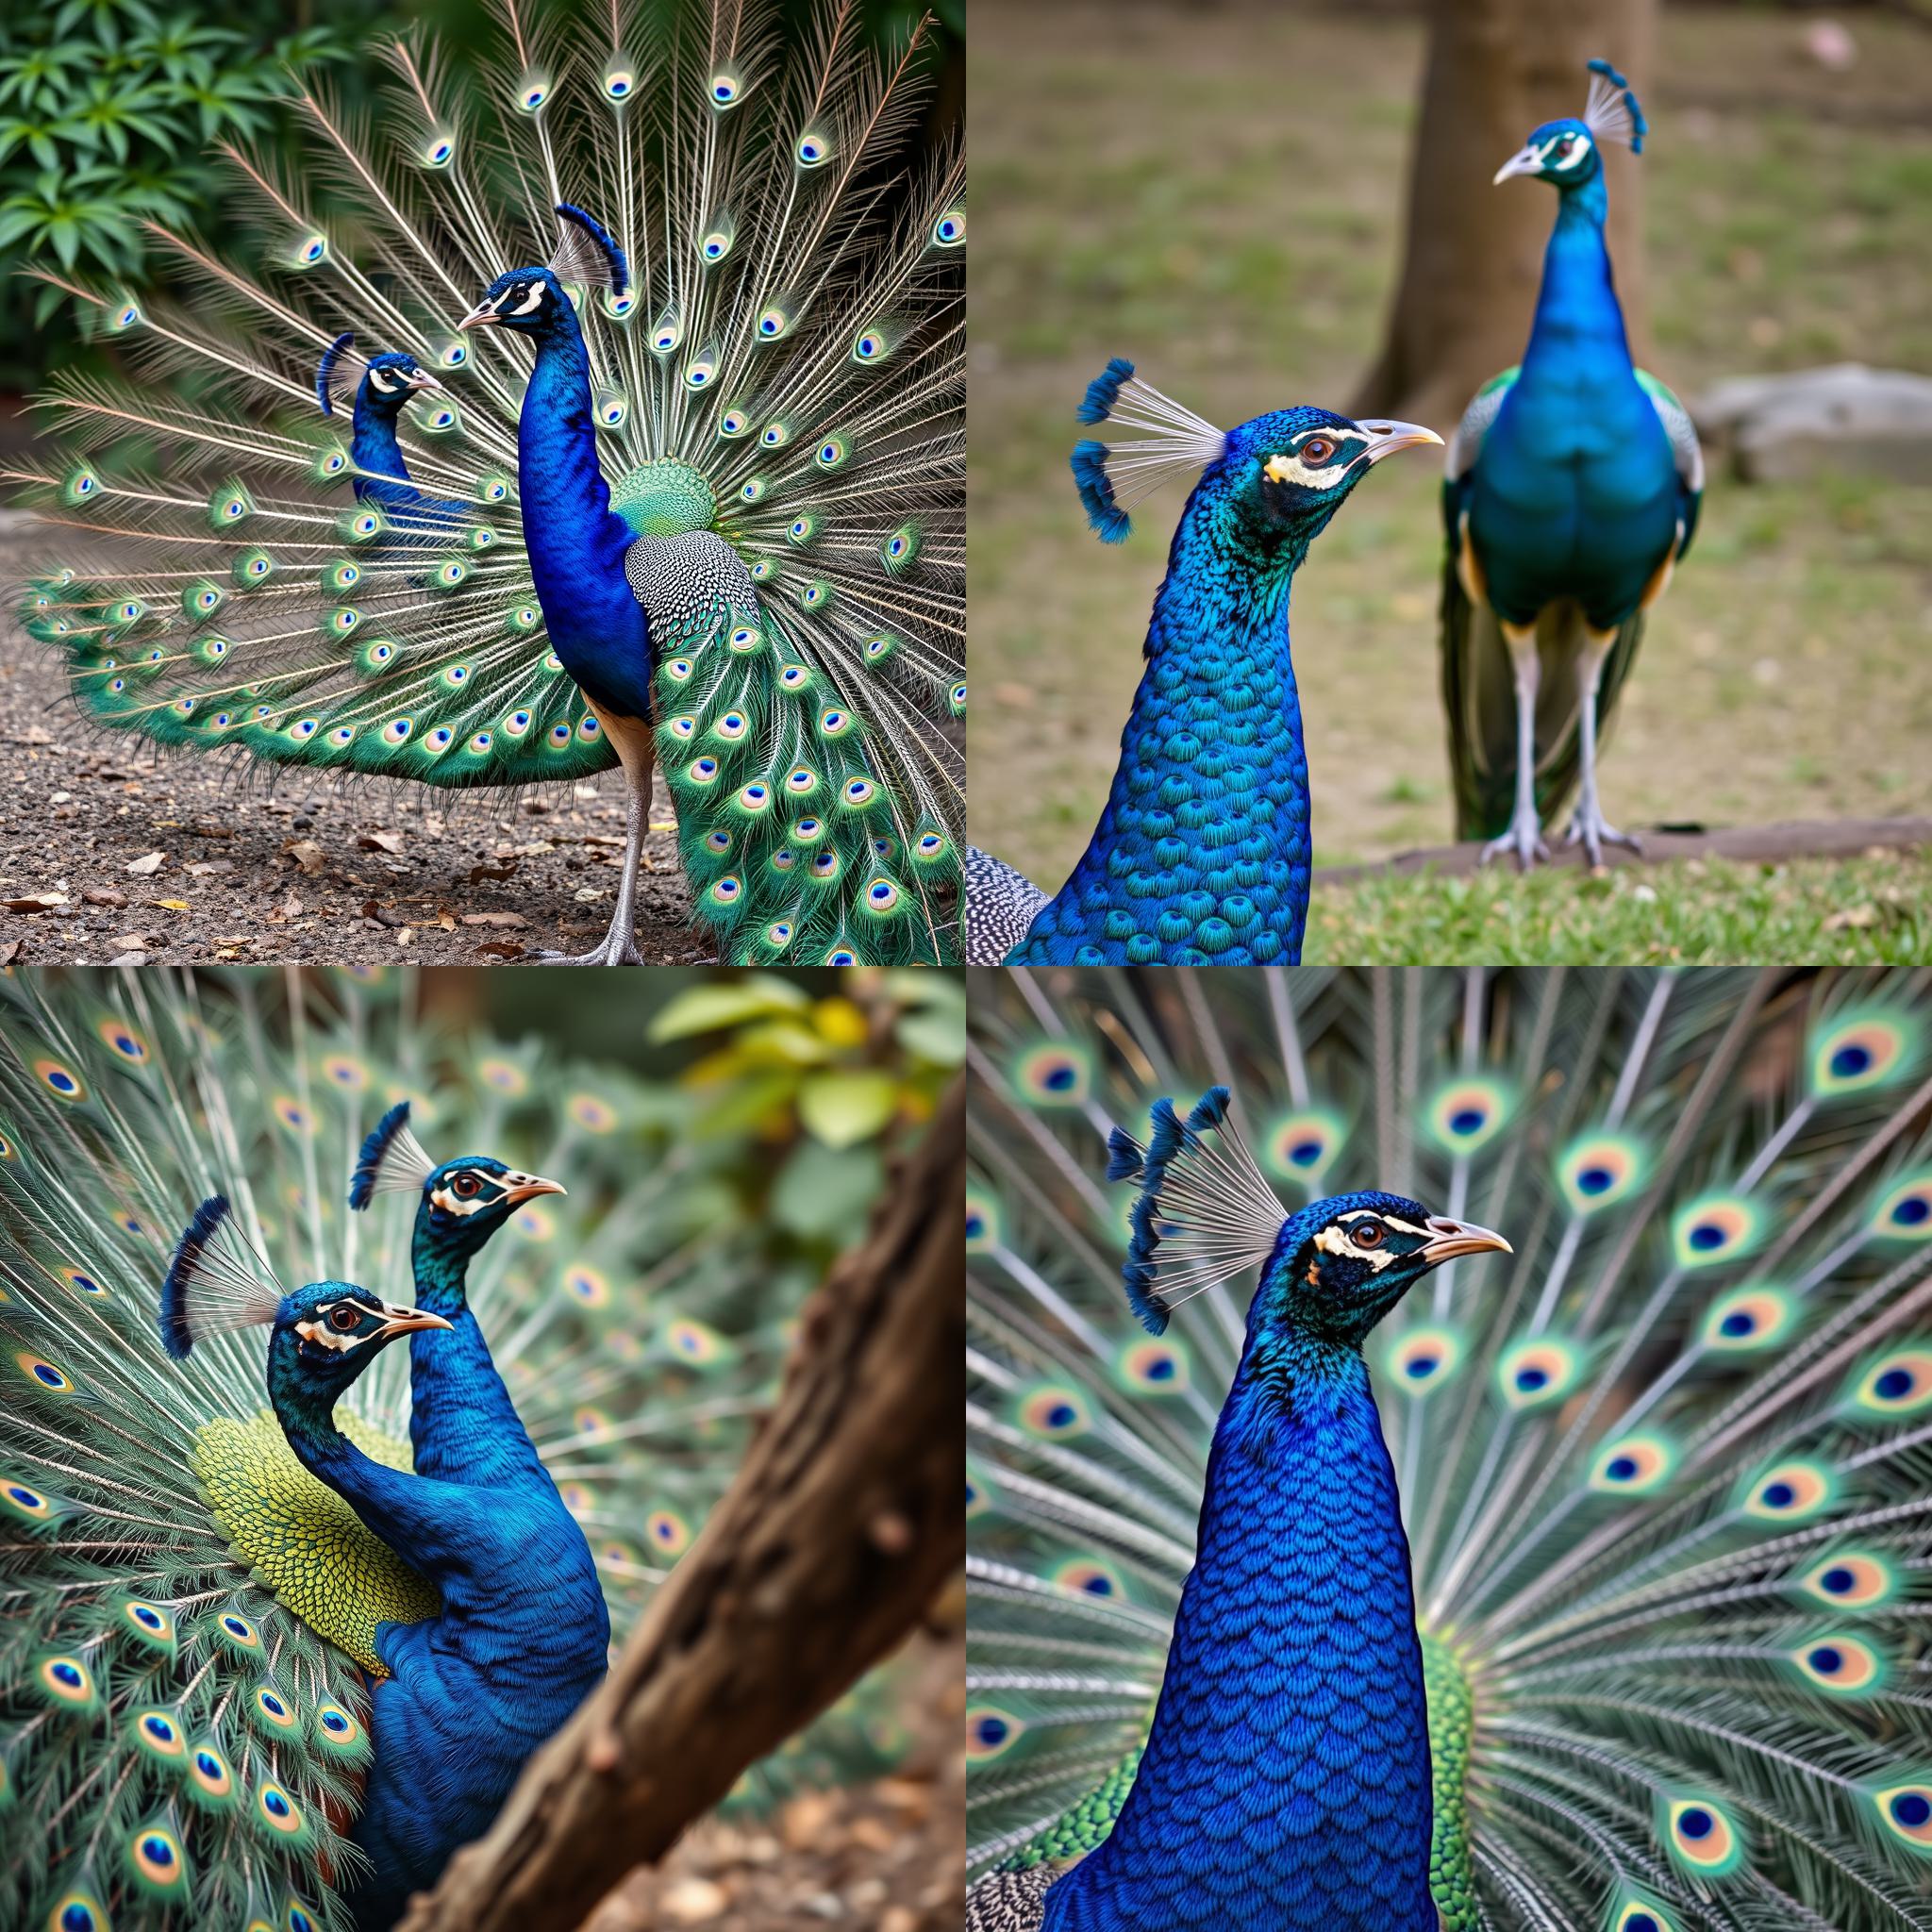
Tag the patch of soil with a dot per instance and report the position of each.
(140, 857)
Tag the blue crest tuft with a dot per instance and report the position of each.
(330, 357)
(176, 1336)
(1628, 126)
(369, 1162)
(1123, 1156)
(1104, 391)
(615, 261)
(1096, 493)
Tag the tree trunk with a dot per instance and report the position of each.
(1473, 258)
(834, 1537)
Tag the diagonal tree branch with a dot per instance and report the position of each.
(837, 1532)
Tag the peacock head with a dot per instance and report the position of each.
(1267, 487)
(391, 379)
(1569, 151)
(380, 385)
(322, 1336)
(1282, 476)
(325, 1335)
(533, 301)
(459, 1204)
(1339, 1265)
(1205, 1212)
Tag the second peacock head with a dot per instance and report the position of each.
(460, 1203)
(1205, 1212)
(1567, 153)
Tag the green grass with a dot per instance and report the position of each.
(1217, 192)
(1700, 913)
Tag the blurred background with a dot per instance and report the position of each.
(1217, 192)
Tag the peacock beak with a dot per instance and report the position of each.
(519, 1188)
(1528, 159)
(1385, 437)
(482, 316)
(1450, 1239)
(421, 378)
(403, 1321)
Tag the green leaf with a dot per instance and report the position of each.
(845, 1108)
(823, 1194)
(704, 1008)
(936, 1037)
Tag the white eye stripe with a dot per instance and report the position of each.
(381, 383)
(1578, 149)
(528, 305)
(450, 1203)
(1387, 1220)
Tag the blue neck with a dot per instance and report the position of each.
(1577, 316)
(373, 447)
(1202, 855)
(464, 1426)
(576, 544)
(1286, 1778)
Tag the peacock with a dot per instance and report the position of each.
(203, 1640)
(1202, 855)
(463, 1696)
(1578, 1586)
(1572, 487)
(695, 499)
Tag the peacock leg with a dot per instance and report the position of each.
(1588, 825)
(632, 740)
(1525, 837)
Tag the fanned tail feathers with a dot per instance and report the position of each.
(784, 369)
(166, 1662)
(1665, 1475)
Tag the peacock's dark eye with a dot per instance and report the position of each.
(1368, 1234)
(1318, 449)
(1568, 141)
(466, 1185)
(344, 1318)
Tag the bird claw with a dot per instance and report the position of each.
(1525, 839)
(1592, 831)
(613, 952)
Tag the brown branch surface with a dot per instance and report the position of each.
(837, 1532)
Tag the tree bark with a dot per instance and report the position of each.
(1473, 258)
(836, 1534)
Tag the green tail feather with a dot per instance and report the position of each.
(1669, 1612)
(188, 1606)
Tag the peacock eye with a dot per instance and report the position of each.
(1368, 1234)
(466, 1185)
(344, 1318)
(1568, 141)
(1318, 449)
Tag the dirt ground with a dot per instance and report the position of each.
(143, 858)
(887, 1856)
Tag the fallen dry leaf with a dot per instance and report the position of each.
(129, 942)
(170, 905)
(35, 902)
(506, 870)
(11, 951)
(380, 841)
(306, 853)
(494, 919)
(147, 863)
(501, 949)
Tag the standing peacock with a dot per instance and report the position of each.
(695, 497)
(1658, 1475)
(188, 1606)
(1572, 488)
(1202, 855)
